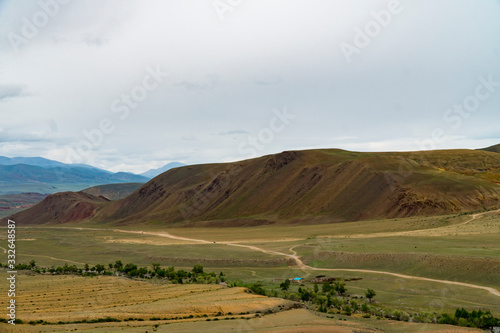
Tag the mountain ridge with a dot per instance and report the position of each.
(494, 148)
(328, 185)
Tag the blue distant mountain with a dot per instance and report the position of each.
(37, 161)
(37, 174)
(155, 172)
(42, 162)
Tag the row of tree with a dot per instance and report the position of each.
(478, 319)
(131, 270)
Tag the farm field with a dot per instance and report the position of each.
(452, 248)
(175, 308)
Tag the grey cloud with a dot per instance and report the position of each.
(11, 91)
(228, 76)
(212, 81)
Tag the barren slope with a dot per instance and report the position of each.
(316, 185)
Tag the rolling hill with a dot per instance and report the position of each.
(314, 186)
(61, 207)
(494, 149)
(113, 191)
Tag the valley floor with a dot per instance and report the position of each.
(435, 264)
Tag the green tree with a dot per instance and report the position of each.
(316, 288)
(325, 287)
(197, 269)
(100, 268)
(347, 310)
(129, 268)
(305, 295)
(340, 287)
(155, 266)
(364, 307)
(354, 305)
(285, 285)
(370, 293)
(32, 263)
(118, 265)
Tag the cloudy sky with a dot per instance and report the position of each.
(131, 85)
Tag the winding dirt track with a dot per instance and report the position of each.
(439, 231)
(53, 258)
(305, 267)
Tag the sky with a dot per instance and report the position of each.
(133, 85)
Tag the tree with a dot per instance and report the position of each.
(370, 293)
(129, 268)
(86, 267)
(326, 287)
(118, 265)
(340, 288)
(364, 307)
(197, 269)
(305, 295)
(32, 263)
(316, 288)
(100, 268)
(155, 266)
(354, 305)
(347, 310)
(285, 285)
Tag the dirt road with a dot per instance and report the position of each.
(300, 263)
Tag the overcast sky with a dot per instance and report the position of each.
(132, 85)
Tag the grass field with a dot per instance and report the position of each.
(175, 308)
(454, 248)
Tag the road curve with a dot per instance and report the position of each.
(302, 265)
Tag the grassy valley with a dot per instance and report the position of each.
(425, 241)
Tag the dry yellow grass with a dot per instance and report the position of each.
(70, 298)
(292, 321)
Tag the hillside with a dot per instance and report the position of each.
(313, 186)
(494, 149)
(113, 191)
(60, 208)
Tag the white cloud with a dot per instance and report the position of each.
(227, 76)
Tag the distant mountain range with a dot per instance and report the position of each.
(42, 162)
(295, 187)
(36, 174)
(155, 172)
